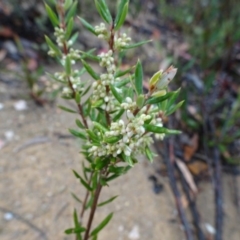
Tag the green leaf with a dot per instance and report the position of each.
(85, 184)
(103, 10)
(108, 201)
(71, 12)
(100, 126)
(102, 225)
(119, 170)
(68, 66)
(112, 177)
(129, 46)
(69, 28)
(77, 97)
(90, 70)
(79, 124)
(94, 237)
(76, 198)
(92, 136)
(122, 73)
(154, 100)
(121, 19)
(75, 230)
(140, 101)
(101, 163)
(77, 134)
(67, 4)
(156, 129)
(52, 46)
(98, 103)
(174, 108)
(139, 78)
(116, 94)
(67, 109)
(173, 98)
(118, 115)
(120, 8)
(122, 83)
(88, 26)
(52, 16)
(73, 39)
(95, 180)
(149, 154)
(112, 139)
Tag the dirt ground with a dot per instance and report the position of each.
(36, 158)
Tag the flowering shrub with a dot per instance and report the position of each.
(117, 120)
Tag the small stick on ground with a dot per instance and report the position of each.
(193, 208)
(169, 161)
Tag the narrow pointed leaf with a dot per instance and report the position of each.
(85, 184)
(73, 39)
(68, 65)
(79, 124)
(52, 16)
(87, 25)
(120, 10)
(103, 10)
(118, 115)
(116, 94)
(67, 109)
(77, 134)
(174, 108)
(102, 225)
(100, 126)
(154, 100)
(122, 73)
(71, 12)
(129, 46)
(122, 17)
(52, 46)
(76, 198)
(122, 83)
(108, 201)
(67, 4)
(156, 129)
(139, 78)
(69, 28)
(90, 70)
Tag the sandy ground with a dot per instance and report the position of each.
(36, 182)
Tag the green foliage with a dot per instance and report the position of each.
(116, 118)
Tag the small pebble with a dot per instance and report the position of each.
(8, 216)
(134, 233)
(9, 135)
(20, 105)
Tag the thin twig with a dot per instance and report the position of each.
(193, 207)
(218, 194)
(85, 199)
(219, 214)
(93, 210)
(182, 215)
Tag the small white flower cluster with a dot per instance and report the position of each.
(60, 36)
(129, 104)
(133, 140)
(107, 61)
(74, 54)
(60, 76)
(122, 41)
(99, 87)
(101, 31)
(74, 79)
(158, 122)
